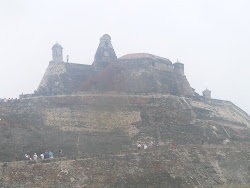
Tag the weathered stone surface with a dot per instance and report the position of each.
(132, 73)
(105, 53)
(63, 78)
(212, 141)
(98, 123)
(182, 166)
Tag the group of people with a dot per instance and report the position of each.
(145, 146)
(44, 155)
(8, 100)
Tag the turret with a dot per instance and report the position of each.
(57, 53)
(207, 94)
(105, 53)
(179, 68)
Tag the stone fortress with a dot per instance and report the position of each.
(138, 73)
(97, 114)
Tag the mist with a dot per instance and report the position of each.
(211, 38)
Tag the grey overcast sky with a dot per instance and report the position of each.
(211, 37)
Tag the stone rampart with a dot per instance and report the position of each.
(182, 166)
(101, 123)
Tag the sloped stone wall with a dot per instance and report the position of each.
(163, 166)
(101, 123)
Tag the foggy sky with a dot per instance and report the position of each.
(211, 38)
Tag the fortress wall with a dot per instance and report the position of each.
(141, 75)
(63, 78)
(219, 110)
(103, 171)
(152, 81)
(190, 166)
(54, 69)
(79, 124)
(101, 123)
(95, 129)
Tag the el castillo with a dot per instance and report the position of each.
(98, 115)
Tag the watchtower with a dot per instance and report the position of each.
(207, 94)
(57, 53)
(105, 53)
(179, 68)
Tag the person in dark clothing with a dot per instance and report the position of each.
(46, 154)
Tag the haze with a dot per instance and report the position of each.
(211, 38)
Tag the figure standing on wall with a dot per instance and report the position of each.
(67, 58)
(46, 154)
(26, 157)
(41, 156)
(139, 146)
(51, 154)
(60, 153)
(35, 156)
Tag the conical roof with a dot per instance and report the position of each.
(105, 37)
(57, 45)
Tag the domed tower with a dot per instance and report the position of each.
(179, 68)
(105, 53)
(57, 53)
(207, 94)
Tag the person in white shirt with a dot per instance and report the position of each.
(35, 156)
(42, 156)
(139, 146)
